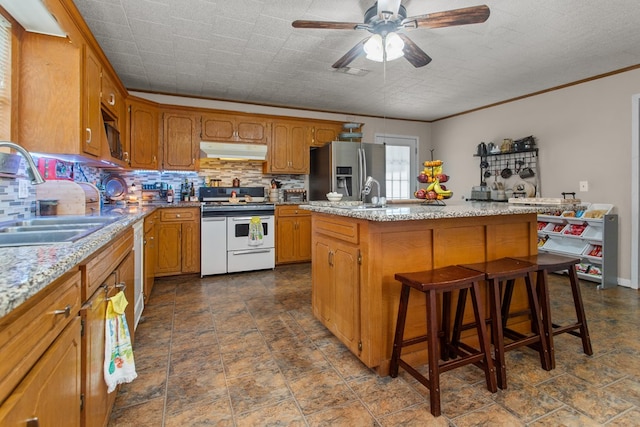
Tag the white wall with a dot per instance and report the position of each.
(583, 133)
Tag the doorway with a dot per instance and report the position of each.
(401, 165)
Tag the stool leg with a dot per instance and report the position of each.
(536, 323)
(542, 285)
(506, 301)
(582, 318)
(497, 333)
(457, 323)
(432, 343)
(397, 341)
(446, 326)
(483, 338)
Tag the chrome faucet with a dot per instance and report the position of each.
(32, 169)
(367, 189)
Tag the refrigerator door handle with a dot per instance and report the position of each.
(362, 157)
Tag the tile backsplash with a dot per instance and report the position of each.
(249, 173)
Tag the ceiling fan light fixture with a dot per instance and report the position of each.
(373, 48)
(394, 46)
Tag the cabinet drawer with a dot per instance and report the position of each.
(27, 331)
(346, 230)
(291, 210)
(150, 222)
(97, 269)
(177, 214)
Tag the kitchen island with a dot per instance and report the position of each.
(356, 253)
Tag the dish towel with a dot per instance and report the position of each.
(255, 231)
(119, 366)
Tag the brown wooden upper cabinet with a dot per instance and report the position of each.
(181, 140)
(220, 127)
(289, 148)
(324, 132)
(143, 133)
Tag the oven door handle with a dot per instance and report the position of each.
(251, 252)
(213, 218)
(248, 218)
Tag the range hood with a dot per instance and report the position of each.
(233, 151)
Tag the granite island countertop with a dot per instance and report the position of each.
(29, 269)
(418, 211)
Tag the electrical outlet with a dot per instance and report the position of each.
(23, 189)
(584, 186)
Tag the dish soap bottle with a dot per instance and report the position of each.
(170, 194)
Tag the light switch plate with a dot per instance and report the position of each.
(584, 186)
(23, 189)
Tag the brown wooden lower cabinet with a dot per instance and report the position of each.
(293, 234)
(355, 294)
(178, 241)
(50, 394)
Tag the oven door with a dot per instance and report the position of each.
(238, 233)
(243, 255)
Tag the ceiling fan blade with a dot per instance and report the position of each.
(450, 18)
(325, 25)
(389, 7)
(416, 56)
(353, 53)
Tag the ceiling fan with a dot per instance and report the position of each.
(385, 20)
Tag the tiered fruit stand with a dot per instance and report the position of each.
(432, 177)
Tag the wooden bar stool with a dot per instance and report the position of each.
(431, 283)
(550, 263)
(496, 272)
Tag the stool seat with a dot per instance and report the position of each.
(550, 263)
(433, 282)
(496, 272)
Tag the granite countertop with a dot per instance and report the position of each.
(29, 269)
(415, 211)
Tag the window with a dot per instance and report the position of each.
(5, 79)
(401, 169)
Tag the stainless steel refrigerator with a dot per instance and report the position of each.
(343, 167)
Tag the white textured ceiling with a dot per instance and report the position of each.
(247, 51)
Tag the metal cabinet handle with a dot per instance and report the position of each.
(66, 311)
(112, 99)
(33, 422)
(88, 130)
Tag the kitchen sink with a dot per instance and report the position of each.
(43, 231)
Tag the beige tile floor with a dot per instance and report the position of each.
(245, 350)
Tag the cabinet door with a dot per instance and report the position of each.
(279, 148)
(110, 96)
(218, 127)
(181, 141)
(322, 282)
(125, 276)
(50, 393)
(299, 149)
(150, 256)
(97, 402)
(169, 259)
(304, 238)
(92, 115)
(347, 295)
(143, 134)
(191, 247)
(324, 133)
(286, 239)
(254, 130)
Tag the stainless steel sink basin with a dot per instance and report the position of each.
(66, 220)
(42, 231)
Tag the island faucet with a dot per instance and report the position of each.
(366, 189)
(32, 169)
